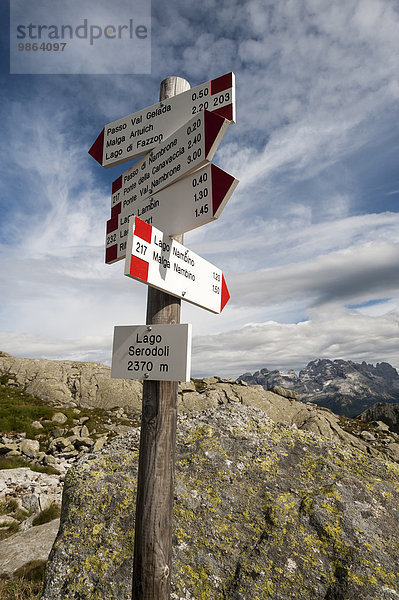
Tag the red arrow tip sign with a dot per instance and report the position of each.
(221, 183)
(213, 124)
(96, 151)
(225, 294)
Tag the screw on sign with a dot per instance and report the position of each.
(136, 134)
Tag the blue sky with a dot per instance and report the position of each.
(308, 243)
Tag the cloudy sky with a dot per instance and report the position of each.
(308, 243)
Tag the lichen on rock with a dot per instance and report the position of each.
(262, 511)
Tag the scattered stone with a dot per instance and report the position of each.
(99, 443)
(31, 502)
(57, 432)
(381, 426)
(59, 418)
(9, 447)
(36, 425)
(30, 448)
(280, 391)
(368, 436)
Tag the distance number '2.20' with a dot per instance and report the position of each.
(217, 101)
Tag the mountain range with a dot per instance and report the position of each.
(345, 387)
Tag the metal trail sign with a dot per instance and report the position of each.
(160, 261)
(188, 149)
(152, 352)
(192, 201)
(136, 134)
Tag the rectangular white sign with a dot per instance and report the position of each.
(163, 263)
(190, 202)
(188, 149)
(152, 352)
(136, 134)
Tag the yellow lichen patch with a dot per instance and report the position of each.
(97, 528)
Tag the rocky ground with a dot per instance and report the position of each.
(261, 511)
(253, 465)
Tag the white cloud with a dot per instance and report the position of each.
(353, 274)
(310, 229)
(332, 334)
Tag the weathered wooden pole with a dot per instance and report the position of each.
(155, 485)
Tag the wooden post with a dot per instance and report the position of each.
(155, 485)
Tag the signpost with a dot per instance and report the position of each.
(190, 202)
(188, 149)
(136, 134)
(163, 263)
(152, 352)
(175, 188)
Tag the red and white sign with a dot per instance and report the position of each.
(136, 134)
(192, 201)
(158, 260)
(188, 149)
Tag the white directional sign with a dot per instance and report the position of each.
(153, 352)
(192, 201)
(138, 133)
(163, 263)
(188, 149)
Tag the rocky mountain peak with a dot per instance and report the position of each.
(344, 386)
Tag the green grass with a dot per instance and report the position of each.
(18, 410)
(27, 584)
(47, 515)
(9, 531)
(16, 462)
(8, 506)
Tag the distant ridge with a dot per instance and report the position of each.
(345, 387)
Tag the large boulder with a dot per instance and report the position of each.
(31, 546)
(85, 384)
(262, 510)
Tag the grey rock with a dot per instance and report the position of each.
(367, 435)
(99, 443)
(23, 548)
(280, 391)
(59, 418)
(57, 432)
(258, 506)
(385, 413)
(9, 447)
(6, 521)
(36, 425)
(72, 383)
(31, 502)
(30, 448)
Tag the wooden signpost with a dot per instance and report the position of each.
(173, 187)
